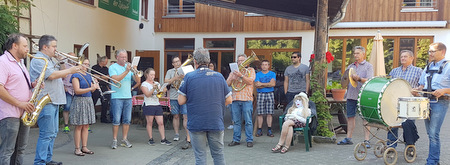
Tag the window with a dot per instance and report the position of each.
(177, 48)
(179, 7)
(144, 9)
(221, 52)
(420, 3)
(341, 48)
(89, 2)
(76, 49)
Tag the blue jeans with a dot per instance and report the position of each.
(239, 109)
(433, 126)
(121, 109)
(175, 108)
(13, 140)
(69, 99)
(48, 129)
(215, 142)
(410, 135)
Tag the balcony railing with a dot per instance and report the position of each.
(419, 4)
(180, 10)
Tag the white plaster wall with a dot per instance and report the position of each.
(75, 23)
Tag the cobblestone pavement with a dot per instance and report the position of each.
(142, 153)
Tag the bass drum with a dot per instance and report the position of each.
(378, 100)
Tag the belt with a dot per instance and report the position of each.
(440, 98)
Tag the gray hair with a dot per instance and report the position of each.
(360, 48)
(120, 51)
(45, 40)
(407, 51)
(242, 55)
(12, 39)
(201, 56)
(101, 59)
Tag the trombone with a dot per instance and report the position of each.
(79, 60)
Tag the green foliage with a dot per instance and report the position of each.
(422, 52)
(273, 44)
(9, 10)
(280, 60)
(334, 85)
(323, 115)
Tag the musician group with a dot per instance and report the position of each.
(190, 95)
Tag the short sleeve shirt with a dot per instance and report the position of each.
(85, 82)
(439, 81)
(54, 88)
(205, 91)
(173, 94)
(14, 81)
(363, 70)
(153, 100)
(265, 78)
(410, 74)
(102, 70)
(297, 78)
(245, 94)
(124, 92)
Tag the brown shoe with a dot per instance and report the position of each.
(249, 144)
(233, 143)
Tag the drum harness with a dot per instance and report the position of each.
(430, 77)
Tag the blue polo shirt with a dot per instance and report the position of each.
(205, 91)
(265, 78)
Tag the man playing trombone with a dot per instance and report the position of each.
(121, 100)
(48, 120)
(102, 68)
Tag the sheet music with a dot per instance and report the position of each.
(135, 61)
(234, 67)
(187, 69)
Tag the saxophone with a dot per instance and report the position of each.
(30, 119)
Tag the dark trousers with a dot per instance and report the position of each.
(105, 100)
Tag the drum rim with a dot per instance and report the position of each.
(413, 99)
(379, 96)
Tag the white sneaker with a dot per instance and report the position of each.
(126, 143)
(176, 138)
(230, 127)
(114, 144)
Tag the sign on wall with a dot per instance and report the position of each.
(127, 8)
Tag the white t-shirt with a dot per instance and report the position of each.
(153, 100)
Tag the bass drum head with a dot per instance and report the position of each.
(389, 101)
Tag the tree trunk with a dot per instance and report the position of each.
(321, 40)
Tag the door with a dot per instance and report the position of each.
(149, 59)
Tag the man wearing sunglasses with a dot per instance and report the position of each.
(296, 77)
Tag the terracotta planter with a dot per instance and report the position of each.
(338, 94)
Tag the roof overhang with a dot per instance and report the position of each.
(403, 24)
(301, 10)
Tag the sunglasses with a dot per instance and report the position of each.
(294, 57)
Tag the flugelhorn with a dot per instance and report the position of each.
(30, 119)
(176, 84)
(239, 84)
(139, 73)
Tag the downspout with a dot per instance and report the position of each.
(341, 16)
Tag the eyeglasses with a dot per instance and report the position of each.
(432, 51)
(294, 57)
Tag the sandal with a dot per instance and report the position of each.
(277, 148)
(79, 153)
(284, 149)
(346, 141)
(87, 152)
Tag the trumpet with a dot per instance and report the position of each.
(79, 60)
(160, 91)
(139, 73)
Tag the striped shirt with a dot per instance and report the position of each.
(411, 74)
(363, 70)
(245, 94)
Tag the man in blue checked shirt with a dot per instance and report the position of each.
(411, 74)
(436, 79)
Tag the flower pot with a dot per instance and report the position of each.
(338, 94)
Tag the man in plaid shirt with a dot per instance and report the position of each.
(242, 104)
(411, 74)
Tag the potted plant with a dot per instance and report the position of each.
(337, 91)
